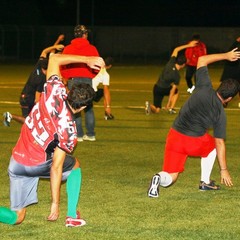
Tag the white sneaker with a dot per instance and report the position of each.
(89, 138)
(153, 190)
(7, 117)
(147, 108)
(190, 90)
(80, 139)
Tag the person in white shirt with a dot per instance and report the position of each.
(104, 78)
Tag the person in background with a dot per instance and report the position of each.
(192, 55)
(167, 84)
(48, 137)
(104, 78)
(34, 86)
(232, 69)
(189, 135)
(81, 73)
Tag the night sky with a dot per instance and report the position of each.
(201, 13)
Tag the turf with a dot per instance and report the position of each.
(117, 169)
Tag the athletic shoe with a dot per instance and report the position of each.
(89, 138)
(7, 117)
(108, 116)
(172, 111)
(147, 108)
(75, 222)
(190, 90)
(153, 190)
(210, 186)
(80, 139)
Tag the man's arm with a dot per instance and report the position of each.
(107, 99)
(221, 155)
(179, 48)
(47, 50)
(55, 181)
(232, 55)
(56, 60)
(172, 92)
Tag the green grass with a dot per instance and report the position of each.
(117, 169)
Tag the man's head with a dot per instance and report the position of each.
(181, 61)
(80, 31)
(228, 89)
(108, 62)
(81, 95)
(196, 37)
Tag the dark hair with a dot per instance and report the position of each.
(79, 30)
(108, 61)
(181, 59)
(80, 95)
(196, 36)
(228, 88)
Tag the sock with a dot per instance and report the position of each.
(207, 165)
(8, 216)
(166, 179)
(74, 182)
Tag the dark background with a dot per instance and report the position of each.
(201, 13)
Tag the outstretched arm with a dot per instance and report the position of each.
(179, 48)
(56, 60)
(51, 49)
(232, 55)
(221, 155)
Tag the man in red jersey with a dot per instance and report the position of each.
(47, 138)
(192, 55)
(81, 73)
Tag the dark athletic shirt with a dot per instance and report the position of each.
(202, 111)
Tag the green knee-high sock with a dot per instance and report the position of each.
(74, 182)
(8, 216)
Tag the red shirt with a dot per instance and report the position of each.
(193, 53)
(79, 46)
(49, 124)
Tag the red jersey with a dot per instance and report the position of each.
(49, 124)
(193, 53)
(79, 46)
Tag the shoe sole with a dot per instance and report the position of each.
(154, 186)
(72, 225)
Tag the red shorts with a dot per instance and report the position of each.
(179, 147)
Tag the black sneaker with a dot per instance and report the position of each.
(210, 186)
(108, 116)
(153, 190)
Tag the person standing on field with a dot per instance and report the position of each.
(189, 133)
(81, 73)
(192, 55)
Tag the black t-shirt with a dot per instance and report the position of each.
(232, 69)
(169, 75)
(202, 111)
(35, 82)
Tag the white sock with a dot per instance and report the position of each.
(166, 179)
(207, 166)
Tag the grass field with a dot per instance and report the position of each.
(118, 167)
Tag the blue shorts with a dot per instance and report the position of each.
(24, 180)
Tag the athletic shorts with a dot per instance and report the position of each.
(24, 180)
(179, 147)
(158, 95)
